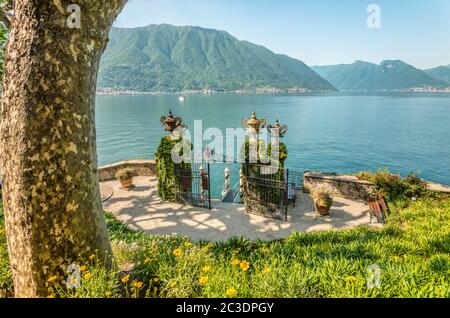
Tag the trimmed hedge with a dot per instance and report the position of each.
(168, 183)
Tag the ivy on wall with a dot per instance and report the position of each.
(259, 198)
(282, 152)
(168, 182)
(263, 154)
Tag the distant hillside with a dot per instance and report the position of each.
(387, 76)
(169, 58)
(441, 73)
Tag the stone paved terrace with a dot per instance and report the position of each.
(142, 209)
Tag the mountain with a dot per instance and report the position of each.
(365, 76)
(171, 58)
(441, 73)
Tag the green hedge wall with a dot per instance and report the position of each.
(258, 193)
(168, 183)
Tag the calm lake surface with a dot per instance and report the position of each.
(331, 132)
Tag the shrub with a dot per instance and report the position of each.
(125, 173)
(393, 186)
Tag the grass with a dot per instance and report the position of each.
(412, 254)
(5, 274)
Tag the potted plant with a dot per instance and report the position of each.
(323, 202)
(125, 176)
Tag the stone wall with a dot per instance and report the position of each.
(337, 185)
(142, 168)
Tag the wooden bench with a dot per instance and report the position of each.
(378, 209)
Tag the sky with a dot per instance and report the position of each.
(319, 32)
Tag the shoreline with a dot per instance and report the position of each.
(182, 93)
(259, 91)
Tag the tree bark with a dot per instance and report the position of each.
(53, 212)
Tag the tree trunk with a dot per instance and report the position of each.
(51, 195)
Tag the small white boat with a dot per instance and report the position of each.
(182, 98)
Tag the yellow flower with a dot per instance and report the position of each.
(87, 276)
(156, 280)
(231, 292)
(210, 245)
(187, 244)
(83, 268)
(203, 280)
(206, 268)
(351, 279)
(177, 252)
(147, 260)
(125, 279)
(173, 284)
(92, 256)
(245, 265)
(137, 284)
(267, 270)
(108, 294)
(51, 296)
(52, 279)
(235, 262)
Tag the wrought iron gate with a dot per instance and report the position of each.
(265, 190)
(194, 184)
(269, 190)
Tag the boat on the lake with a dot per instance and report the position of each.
(182, 98)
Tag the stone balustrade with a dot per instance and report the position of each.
(141, 167)
(337, 185)
(349, 186)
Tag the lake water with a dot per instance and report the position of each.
(331, 132)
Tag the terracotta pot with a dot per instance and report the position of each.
(126, 183)
(323, 210)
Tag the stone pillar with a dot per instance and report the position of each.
(241, 182)
(204, 180)
(227, 180)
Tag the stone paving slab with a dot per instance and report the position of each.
(106, 192)
(142, 209)
(438, 187)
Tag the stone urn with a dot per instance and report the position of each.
(323, 202)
